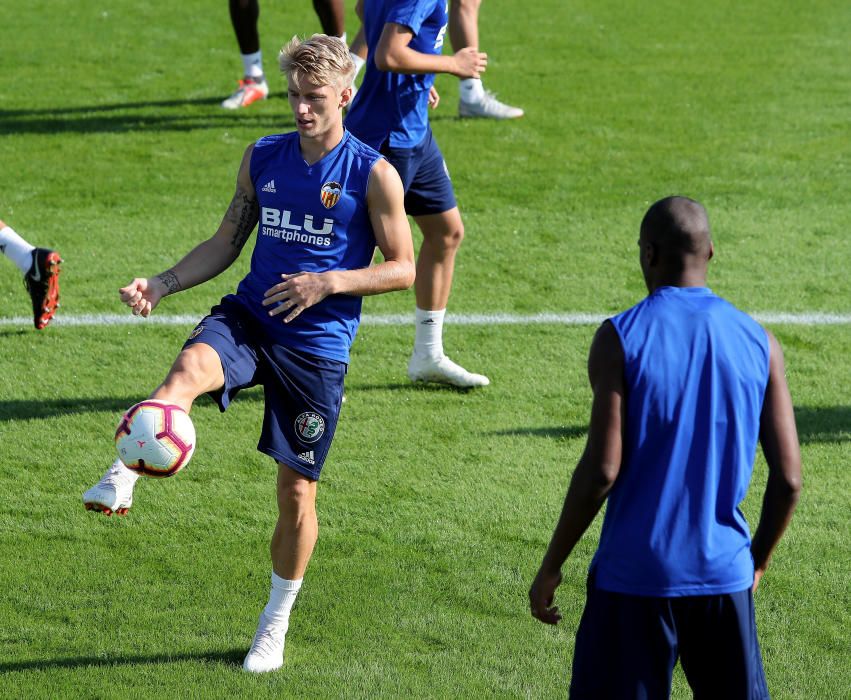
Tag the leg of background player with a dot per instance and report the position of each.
(253, 87)
(332, 17)
(442, 235)
(40, 268)
(475, 101)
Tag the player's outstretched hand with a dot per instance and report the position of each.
(470, 62)
(142, 295)
(296, 293)
(541, 597)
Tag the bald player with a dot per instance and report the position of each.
(684, 387)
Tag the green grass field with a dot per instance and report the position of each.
(435, 505)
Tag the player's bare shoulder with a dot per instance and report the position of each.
(385, 186)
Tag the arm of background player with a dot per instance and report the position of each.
(385, 199)
(207, 259)
(778, 436)
(596, 472)
(394, 54)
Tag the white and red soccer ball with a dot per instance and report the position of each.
(155, 438)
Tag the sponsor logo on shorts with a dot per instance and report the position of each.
(308, 457)
(196, 332)
(330, 193)
(309, 426)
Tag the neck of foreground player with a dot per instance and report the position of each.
(315, 148)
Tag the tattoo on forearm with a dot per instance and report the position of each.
(169, 279)
(243, 213)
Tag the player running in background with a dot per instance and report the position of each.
(323, 201)
(474, 100)
(243, 16)
(40, 268)
(684, 386)
(390, 113)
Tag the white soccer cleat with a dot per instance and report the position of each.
(248, 92)
(488, 108)
(113, 493)
(443, 371)
(267, 650)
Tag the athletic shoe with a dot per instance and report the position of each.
(42, 282)
(267, 649)
(443, 371)
(113, 493)
(488, 108)
(248, 92)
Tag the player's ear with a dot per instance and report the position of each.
(346, 97)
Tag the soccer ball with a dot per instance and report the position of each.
(155, 438)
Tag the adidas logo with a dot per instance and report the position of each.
(270, 187)
(307, 457)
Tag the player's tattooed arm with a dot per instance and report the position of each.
(243, 214)
(169, 279)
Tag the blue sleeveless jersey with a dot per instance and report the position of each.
(392, 105)
(696, 370)
(313, 218)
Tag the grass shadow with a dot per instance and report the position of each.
(559, 432)
(823, 423)
(158, 115)
(428, 387)
(34, 409)
(232, 657)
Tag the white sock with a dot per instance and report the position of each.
(359, 64)
(281, 599)
(428, 341)
(253, 64)
(16, 249)
(126, 473)
(472, 90)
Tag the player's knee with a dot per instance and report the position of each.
(190, 373)
(452, 237)
(295, 496)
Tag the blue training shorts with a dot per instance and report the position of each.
(302, 392)
(425, 177)
(627, 646)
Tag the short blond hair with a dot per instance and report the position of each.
(321, 59)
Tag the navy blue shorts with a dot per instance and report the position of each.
(627, 646)
(425, 177)
(302, 392)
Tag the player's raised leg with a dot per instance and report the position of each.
(292, 546)
(442, 236)
(40, 268)
(197, 370)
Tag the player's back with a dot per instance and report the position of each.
(696, 369)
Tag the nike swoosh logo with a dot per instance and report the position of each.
(36, 276)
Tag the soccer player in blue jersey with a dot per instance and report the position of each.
(684, 386)
(322, 201)
(390, 113)
(474, 99)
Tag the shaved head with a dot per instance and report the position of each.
(676, 243)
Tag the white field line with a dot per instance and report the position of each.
(555, 319)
